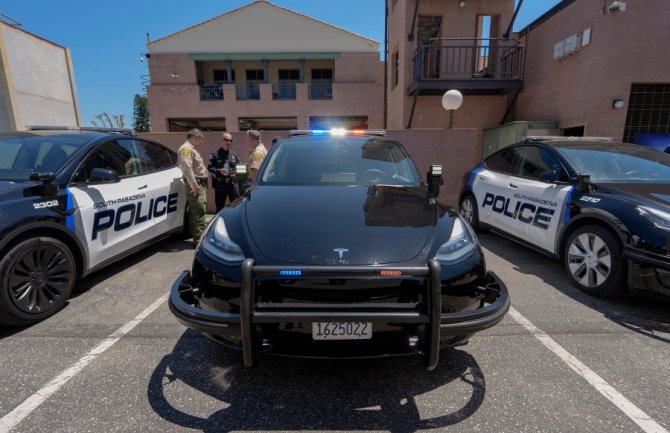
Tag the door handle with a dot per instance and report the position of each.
(142, 187)
(483, 178)
(511, 185)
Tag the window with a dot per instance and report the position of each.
(428, 27)
(289, 74)
(255, 75)
(648, 110)
(395, 63)
(109, 156)
(221, 75)
(322, 74)
(538, 162)
(154, 157)
(503, 161)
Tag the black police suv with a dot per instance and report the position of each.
(603, 208)
(339, 249)
(73, 200)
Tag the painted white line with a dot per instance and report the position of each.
(13, 418)
(627, 407)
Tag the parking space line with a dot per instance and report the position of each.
(13, 418)
(627, 407)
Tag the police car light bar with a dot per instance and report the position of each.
(125, 131)
(338, 132)
(562, 138)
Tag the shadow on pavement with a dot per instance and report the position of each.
(647, 317)
(304, 394)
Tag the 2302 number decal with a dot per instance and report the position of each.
(45, 204)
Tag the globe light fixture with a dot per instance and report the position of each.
(452, 100)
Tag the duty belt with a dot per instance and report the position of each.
(226, 179)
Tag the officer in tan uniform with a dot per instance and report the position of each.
(257, 152)
(195, 174)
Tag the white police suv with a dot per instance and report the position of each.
(72, 200)
(603, 208)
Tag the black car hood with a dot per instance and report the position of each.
(653, 194)
(333, 225)
(7, 186)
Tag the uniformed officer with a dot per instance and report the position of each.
(222, 165)
(195, 174)
(257, 152)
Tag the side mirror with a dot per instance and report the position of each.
(434, 179)
(49, 183)
(583, 183)
(104, 175)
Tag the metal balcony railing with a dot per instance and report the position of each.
(321, 89)
(211, 92)
(284, 91)
(248, 91)
(458, 59)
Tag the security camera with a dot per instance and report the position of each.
(617, 5)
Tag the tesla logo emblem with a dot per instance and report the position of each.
(341, 251)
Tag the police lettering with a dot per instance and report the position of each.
(131, 214)
(525, 212)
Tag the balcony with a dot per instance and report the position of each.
(213, 92)
(472, 66)
(284, 91)
(248, 91)
(321, 89)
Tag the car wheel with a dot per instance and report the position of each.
(37, 276)
(469, 211)
(593, 261)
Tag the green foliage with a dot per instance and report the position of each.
(141, 114)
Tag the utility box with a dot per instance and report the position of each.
(500, 136)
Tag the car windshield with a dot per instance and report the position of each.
(620, 164)
(339, 160)
(24, 155)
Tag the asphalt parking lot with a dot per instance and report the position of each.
(115, 360)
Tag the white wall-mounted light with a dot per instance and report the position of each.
(452, 100)
(461, 4)
(617, 103)
(617, 5)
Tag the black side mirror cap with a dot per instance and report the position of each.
(583, 183)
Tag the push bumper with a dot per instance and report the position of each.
(648, 273)
(183, 304)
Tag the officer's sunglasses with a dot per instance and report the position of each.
(229, 140)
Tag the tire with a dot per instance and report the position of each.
(468, 210)
(36, 279)
(592, 259)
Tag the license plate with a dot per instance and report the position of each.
(342, 330)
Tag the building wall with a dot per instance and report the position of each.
(41, 81)
(477, 111)
(578, 90)
(454, 149)
(357, 91)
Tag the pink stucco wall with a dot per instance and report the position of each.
(454, 149)
(357, 91)
(626, 47)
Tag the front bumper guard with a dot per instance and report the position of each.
(437, 323)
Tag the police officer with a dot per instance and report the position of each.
(257, 152)
(195, 174)
(222, 166)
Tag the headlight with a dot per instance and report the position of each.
(218, 244)
(461, 243)
(657, 217)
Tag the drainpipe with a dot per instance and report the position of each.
(386, 57)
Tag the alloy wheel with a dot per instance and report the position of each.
(589, 260)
